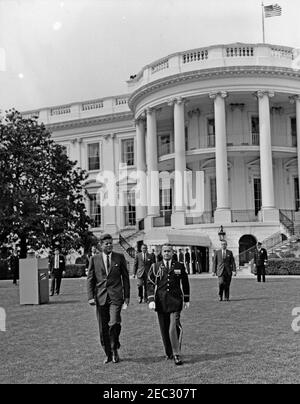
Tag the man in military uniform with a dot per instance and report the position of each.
(260, 260)
(169, 292)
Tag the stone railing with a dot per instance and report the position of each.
(63, 110)
(88, 106)
(217, 56)
(88, 109)
(161, 65)
(239, 51)
(201, 54)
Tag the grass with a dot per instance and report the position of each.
(248, 340)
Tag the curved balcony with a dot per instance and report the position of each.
(237, 54)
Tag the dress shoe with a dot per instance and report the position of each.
(140, 300)
(115, 357)
(227, 299)
(169, 357)
(177, 360)
(107, 359)
(51, 294)
(220, 298)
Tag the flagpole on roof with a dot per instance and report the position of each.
(263, 21)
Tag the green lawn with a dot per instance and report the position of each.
(248, 340)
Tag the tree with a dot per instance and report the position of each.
(42, 197)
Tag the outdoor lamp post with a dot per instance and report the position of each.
(221, 234)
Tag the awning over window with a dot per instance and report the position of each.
(179, 237)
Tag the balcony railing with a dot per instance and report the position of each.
(165, 149)
(205, 218)
(163, 221)
(214, 57)
(255, 139)
(243, 216)
(211, 140)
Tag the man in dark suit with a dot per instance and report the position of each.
(142, 264)
(187, 258)
(169, 293)
(223, 266)
(260, 260)
(14, 265)
(57, 266)
(108, 288)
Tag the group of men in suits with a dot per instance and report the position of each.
(164, 284)
(108, 289)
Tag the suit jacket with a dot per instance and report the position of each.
(260, 257)
(221, 266)
(62, 264)
(168, 288)
(140, 267)
(115, 285)
(187, 257)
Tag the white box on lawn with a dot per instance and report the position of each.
(34, 281)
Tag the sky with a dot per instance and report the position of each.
(55, 52)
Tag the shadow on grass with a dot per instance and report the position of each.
(212, 357)
(188, 359)
(64, 301)
(250, 298)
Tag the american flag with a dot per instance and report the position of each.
(272, 11)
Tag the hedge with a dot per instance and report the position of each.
(75, 271)
(283, 266)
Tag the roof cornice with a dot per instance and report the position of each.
(206, 74)
(78, 123)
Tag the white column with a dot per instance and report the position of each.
(180, 158)
(266, 165)
(296, 99)
(152, 164)
(222, 214)
(141, 194)
(178, 216)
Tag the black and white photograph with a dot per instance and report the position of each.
(149, 195)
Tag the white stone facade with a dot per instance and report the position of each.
(229, 112)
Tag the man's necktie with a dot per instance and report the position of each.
(107, 264)
(168, 266)
(144, 258)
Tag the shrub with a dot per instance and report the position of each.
(283, 266)
(75, 271)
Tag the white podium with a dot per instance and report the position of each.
(34, 281)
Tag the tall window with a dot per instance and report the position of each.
(255, 130)
(95, 210)
(297, 196)
(294, 132)
(165, 202)
(213, 195)
(186, 134)
(257, 195)
(129, 209)
(211, 134)
(93, 156)
(128, 152)
(164, 145)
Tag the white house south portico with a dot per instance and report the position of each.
(228, 112)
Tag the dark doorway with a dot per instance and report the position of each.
(246, 244)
